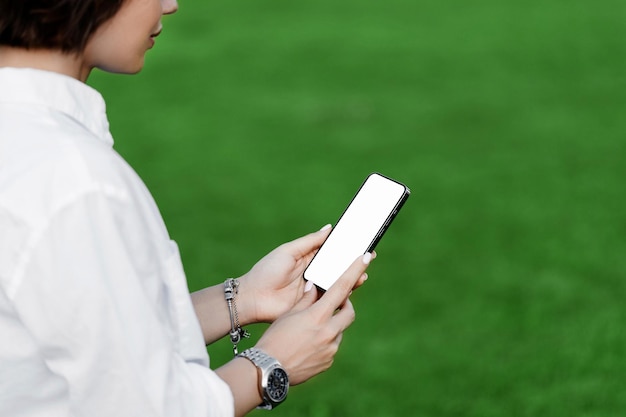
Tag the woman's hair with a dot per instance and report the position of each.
(64, 25)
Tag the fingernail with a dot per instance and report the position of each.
(367, 258)
(308, 286)
(325, 227)
(365, 276)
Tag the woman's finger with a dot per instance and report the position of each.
(344, 317)
(339, 292)
(308, 243)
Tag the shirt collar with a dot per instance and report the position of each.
(57, 92)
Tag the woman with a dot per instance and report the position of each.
(95, 315)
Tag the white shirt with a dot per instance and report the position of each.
(95, 313)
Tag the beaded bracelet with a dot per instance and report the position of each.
(231, 288)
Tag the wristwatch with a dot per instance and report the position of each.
(273, 379)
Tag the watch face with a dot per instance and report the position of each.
(277, 385)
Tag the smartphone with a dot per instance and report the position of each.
(358, 230)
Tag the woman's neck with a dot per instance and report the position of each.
(44, 59)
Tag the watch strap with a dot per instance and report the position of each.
(264, 363)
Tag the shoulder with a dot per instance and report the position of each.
(52, 163)
(58, 166)
(65, 177)
(48, 162)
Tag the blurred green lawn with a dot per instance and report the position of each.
(499, 290)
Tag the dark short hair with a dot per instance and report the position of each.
(64, 25)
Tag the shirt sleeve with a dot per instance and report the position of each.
(103, 295)
(22, 368)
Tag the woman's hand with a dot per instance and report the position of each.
(306, 339)
(271, 288)
(274, 285)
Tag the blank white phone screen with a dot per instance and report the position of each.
(356, 229)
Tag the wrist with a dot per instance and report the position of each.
(237, 332)
(246, 302)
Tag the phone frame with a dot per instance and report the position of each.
(381, 231)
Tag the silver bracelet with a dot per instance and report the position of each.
(231, 288)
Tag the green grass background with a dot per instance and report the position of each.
(499, 290)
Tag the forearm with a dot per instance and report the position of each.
(212, 311)
(242, 378)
